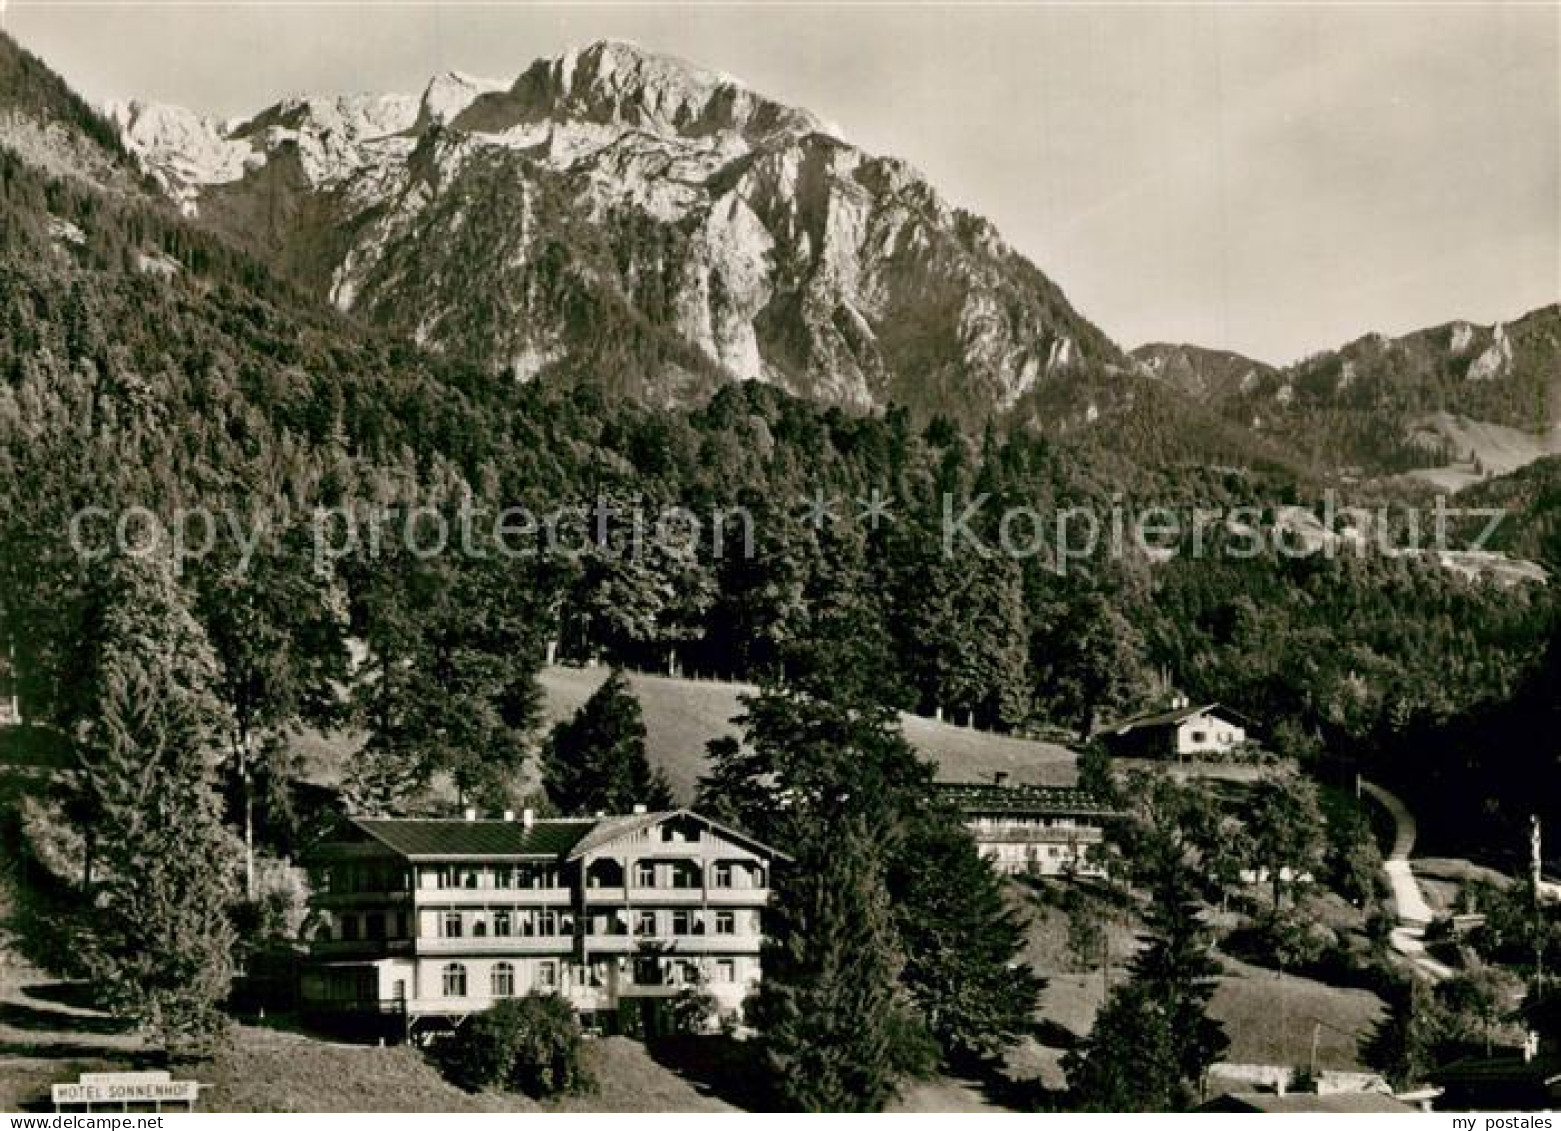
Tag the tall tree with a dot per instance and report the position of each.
(828, 1011)
(596, 762)
(448, 682)
(277, 630)
(159, 930)
(961, 938)
(1153, 1042)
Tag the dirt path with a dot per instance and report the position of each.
(1409, 902)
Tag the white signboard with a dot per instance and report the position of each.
(126, 1088)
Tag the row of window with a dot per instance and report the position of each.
(676, 874)
(547, 923)
(541, 923)
(505, 877)
(455, 981)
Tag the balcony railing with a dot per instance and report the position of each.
(398, 898)
(672, 945)
(494, 897)
(499, 944)
(677, 897)
(360, 948)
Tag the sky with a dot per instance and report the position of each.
(1273, 179)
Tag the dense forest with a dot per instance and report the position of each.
(206, 382)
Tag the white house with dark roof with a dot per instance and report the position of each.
(420, 923)
(1186, 732)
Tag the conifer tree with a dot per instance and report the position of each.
(159, 933)
(829, 1010)
(596, 762)
(961, 939)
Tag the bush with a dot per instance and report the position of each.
(531, 1044)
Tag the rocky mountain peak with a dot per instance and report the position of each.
(620, 215)
(616, 83)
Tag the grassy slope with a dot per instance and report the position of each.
(1500, 449)
(682, 715)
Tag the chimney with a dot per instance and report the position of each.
(509, 814)
(640, 810)
(471, 814)
(528, 817)
(1000, 778)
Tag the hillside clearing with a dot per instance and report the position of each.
(683, 715)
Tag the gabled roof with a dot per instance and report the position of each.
(609, 829)
(442, 839)
(1170, 718)
(989, 797)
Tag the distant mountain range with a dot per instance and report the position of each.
(1475, 399)
(623, 217)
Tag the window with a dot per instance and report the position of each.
(503, 979)
(452, 925)
(455, 980)
(722, 876)
(504, 877)
(726, 922)
(685, 875)
(349, 928)
(374, 925)
(547, 974)
(726, 971)
(470, 878)
(479, 927)
(645, 923)
(547, 922)
(501, 924)
(682, 923)
(645, 874)
(1199, 737)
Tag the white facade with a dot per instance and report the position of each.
(1205, 733)
(599, 912)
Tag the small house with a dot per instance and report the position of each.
(1186, 732)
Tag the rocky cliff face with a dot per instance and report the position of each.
(627, 216)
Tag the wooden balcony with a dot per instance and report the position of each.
(649, 897)
(360, 948)
(500, 945)
(494, 897)
(672, 945)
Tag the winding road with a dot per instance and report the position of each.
(1409, 902)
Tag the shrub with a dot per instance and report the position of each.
(531, 1044)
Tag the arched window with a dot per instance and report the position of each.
(455, 980)
(503, 979)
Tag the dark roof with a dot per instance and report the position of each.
(1169, 718)
(1294, 1103)
(988, 797)
(451, 838)
(570, 838)
(1509, 1067)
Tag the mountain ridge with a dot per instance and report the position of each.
(617, 211)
